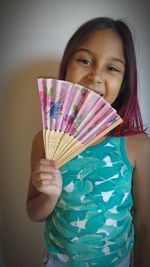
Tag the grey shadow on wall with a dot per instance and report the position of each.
(21, 119)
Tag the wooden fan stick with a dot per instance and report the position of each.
(78, 146)
(83, 147)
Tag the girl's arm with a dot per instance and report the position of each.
(141, 194)
(45, 183)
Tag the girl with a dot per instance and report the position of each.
(96, 206)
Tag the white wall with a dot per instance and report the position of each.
(34, 34)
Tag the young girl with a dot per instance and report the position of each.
(96, 206)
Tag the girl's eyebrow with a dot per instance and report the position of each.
(84, 50)
(119, 60)
(91, 52)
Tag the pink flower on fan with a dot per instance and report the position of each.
(83, 92)
(42, 96)
(45, 100)
(68, 119)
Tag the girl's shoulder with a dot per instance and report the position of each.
(138, 141)
(138, 147)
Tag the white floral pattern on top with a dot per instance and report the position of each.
(92, 223)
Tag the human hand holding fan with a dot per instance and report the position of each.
(73, 118)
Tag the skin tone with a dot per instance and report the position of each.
(99, 64)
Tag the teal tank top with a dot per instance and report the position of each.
(91, 224)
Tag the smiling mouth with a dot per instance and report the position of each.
(93, 89)
(96, 91)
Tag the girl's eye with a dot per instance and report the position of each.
(84, 61)
(111, 68)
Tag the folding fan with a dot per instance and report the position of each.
(73, 118)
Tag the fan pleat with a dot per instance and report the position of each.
(73, 117)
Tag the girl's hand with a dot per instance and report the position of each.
(46, 178)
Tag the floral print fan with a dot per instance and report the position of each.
(73, 118)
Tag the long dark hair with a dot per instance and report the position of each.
(126, 104)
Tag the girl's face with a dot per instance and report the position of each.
(99, 64)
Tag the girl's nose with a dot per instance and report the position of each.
(95, 77)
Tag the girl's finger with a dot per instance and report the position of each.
(44, 176)
(46, 169)
(48, 162)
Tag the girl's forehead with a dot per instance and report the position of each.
(106, 40)
(103, 35)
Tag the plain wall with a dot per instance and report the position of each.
(33, 37)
